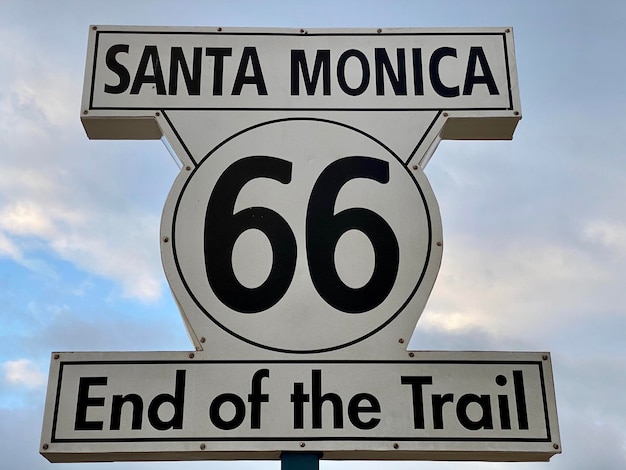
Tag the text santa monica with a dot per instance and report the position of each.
(446, 72)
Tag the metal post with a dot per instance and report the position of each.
(300, 461)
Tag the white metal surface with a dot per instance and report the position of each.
(303, 318)
(133, 71)
(301, 241)
(267, 69)
(166, 406)
(348, 255)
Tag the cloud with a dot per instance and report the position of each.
(23, 372)
(126, 257)
(86, 242)
(510, 286)
(38, 94)
(611, 235)
(53, 107)
(60, 193)
(589, 443)
(8, 248)
(26, 218)
(120, 245)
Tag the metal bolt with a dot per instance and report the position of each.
(556, 446)
(395, 445)
(157, 114)
(85, 112)
(415, 167)
(411, 354)
(401, 340)
(191, 355)
(301, 32)
(439, 243)
(445, 114)
(302, 444)
(94, 28)
(202, 446)
(516, 113)
(507, 30)
(379, 30)
(219, 29)
(188, 168)
(56, 356)
(203, 339)
(166, 239)
(544, 357)
(45, 447)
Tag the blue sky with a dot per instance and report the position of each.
(534, 229)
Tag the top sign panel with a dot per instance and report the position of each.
(143, 68)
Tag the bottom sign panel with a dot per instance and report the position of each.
(168, 406)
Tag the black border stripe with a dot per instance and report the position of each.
(180, 140)
(421, 141)
(508, 69)
(538, 364)
(178, 108)
(182, 32)
(295, 34)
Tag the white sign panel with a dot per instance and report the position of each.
(209, 69)
(133, 71)
(302, 221)
(276, 227)
(478, 406)
(301, 240)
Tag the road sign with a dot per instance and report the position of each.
(297, 208)
(132, 71)
(299, 234)
(159, 406)
(301, 240)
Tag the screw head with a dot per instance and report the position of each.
(401, 340)
(555, 446)
(415, 167)
(202, 446)
(203, 339)
(56, 356)
(396, 445)
(411, 354)
(302, 444)
(544, 357)
(191, 355)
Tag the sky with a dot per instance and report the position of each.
(534, 228)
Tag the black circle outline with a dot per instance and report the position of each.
(302, 351)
